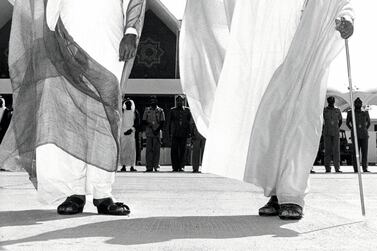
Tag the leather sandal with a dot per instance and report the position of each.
(290, 212)
(271, 208)
(72, 205)
(107, 206)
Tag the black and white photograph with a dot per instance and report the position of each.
(188, 125)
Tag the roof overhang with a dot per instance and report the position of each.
(162, 12)
(156, 6)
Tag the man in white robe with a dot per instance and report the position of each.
(68, 72)
(268, 59)
(130, 121)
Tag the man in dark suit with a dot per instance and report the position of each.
(332, 120)
(179, 130)
(362, 124)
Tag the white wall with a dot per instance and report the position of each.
(134, 86)
(5, 86)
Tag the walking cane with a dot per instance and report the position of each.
(354, 129)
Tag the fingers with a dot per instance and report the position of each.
(346, 33)
(345, 29)
(126, 53)
(122, 51)
(131, 52)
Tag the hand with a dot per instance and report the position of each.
(344, 27)
(128, 132)
(127, 47)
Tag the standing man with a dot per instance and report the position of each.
(138, 140)
(66, 77)
(154, 119)
(332, 120)
(362, 125)
(257, 88)
(130, 121)
(179, 131)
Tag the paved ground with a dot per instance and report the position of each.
(188, 211)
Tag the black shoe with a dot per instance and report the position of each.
(107, 206)
(338, 171)
(123, 169)
(196, 171)
(132, 169)
(148, 171)
(311, 171)
(290, 212)
(271, 208)
(366, 171)
(156, 168)
(72, 205)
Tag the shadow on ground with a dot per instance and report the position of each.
(33, 217)
(128, 231)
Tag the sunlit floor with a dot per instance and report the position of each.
(186, 211)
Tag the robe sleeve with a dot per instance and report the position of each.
(134, 11)
(52, 13)
(347, 12)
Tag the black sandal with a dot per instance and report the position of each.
(271, 208)
(72, 205)
(107, 206)
(290, 212)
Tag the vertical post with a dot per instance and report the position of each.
(177, 54)
(356, 146)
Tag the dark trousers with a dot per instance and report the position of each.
(178, 152)
(138, 146)
(363, 147)
(331, 144)
(152, 153)
(197, 152)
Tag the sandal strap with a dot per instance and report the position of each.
(74, 200)
(120, 204)
(290, 211)
(107, 206)
(291, 206)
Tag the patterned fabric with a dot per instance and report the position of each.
(61, 94)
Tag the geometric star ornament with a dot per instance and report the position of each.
(150, 52)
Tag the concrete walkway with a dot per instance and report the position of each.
(185, 211)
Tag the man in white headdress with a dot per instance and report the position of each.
(66, 64)
(269, 59)
(130, 121)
